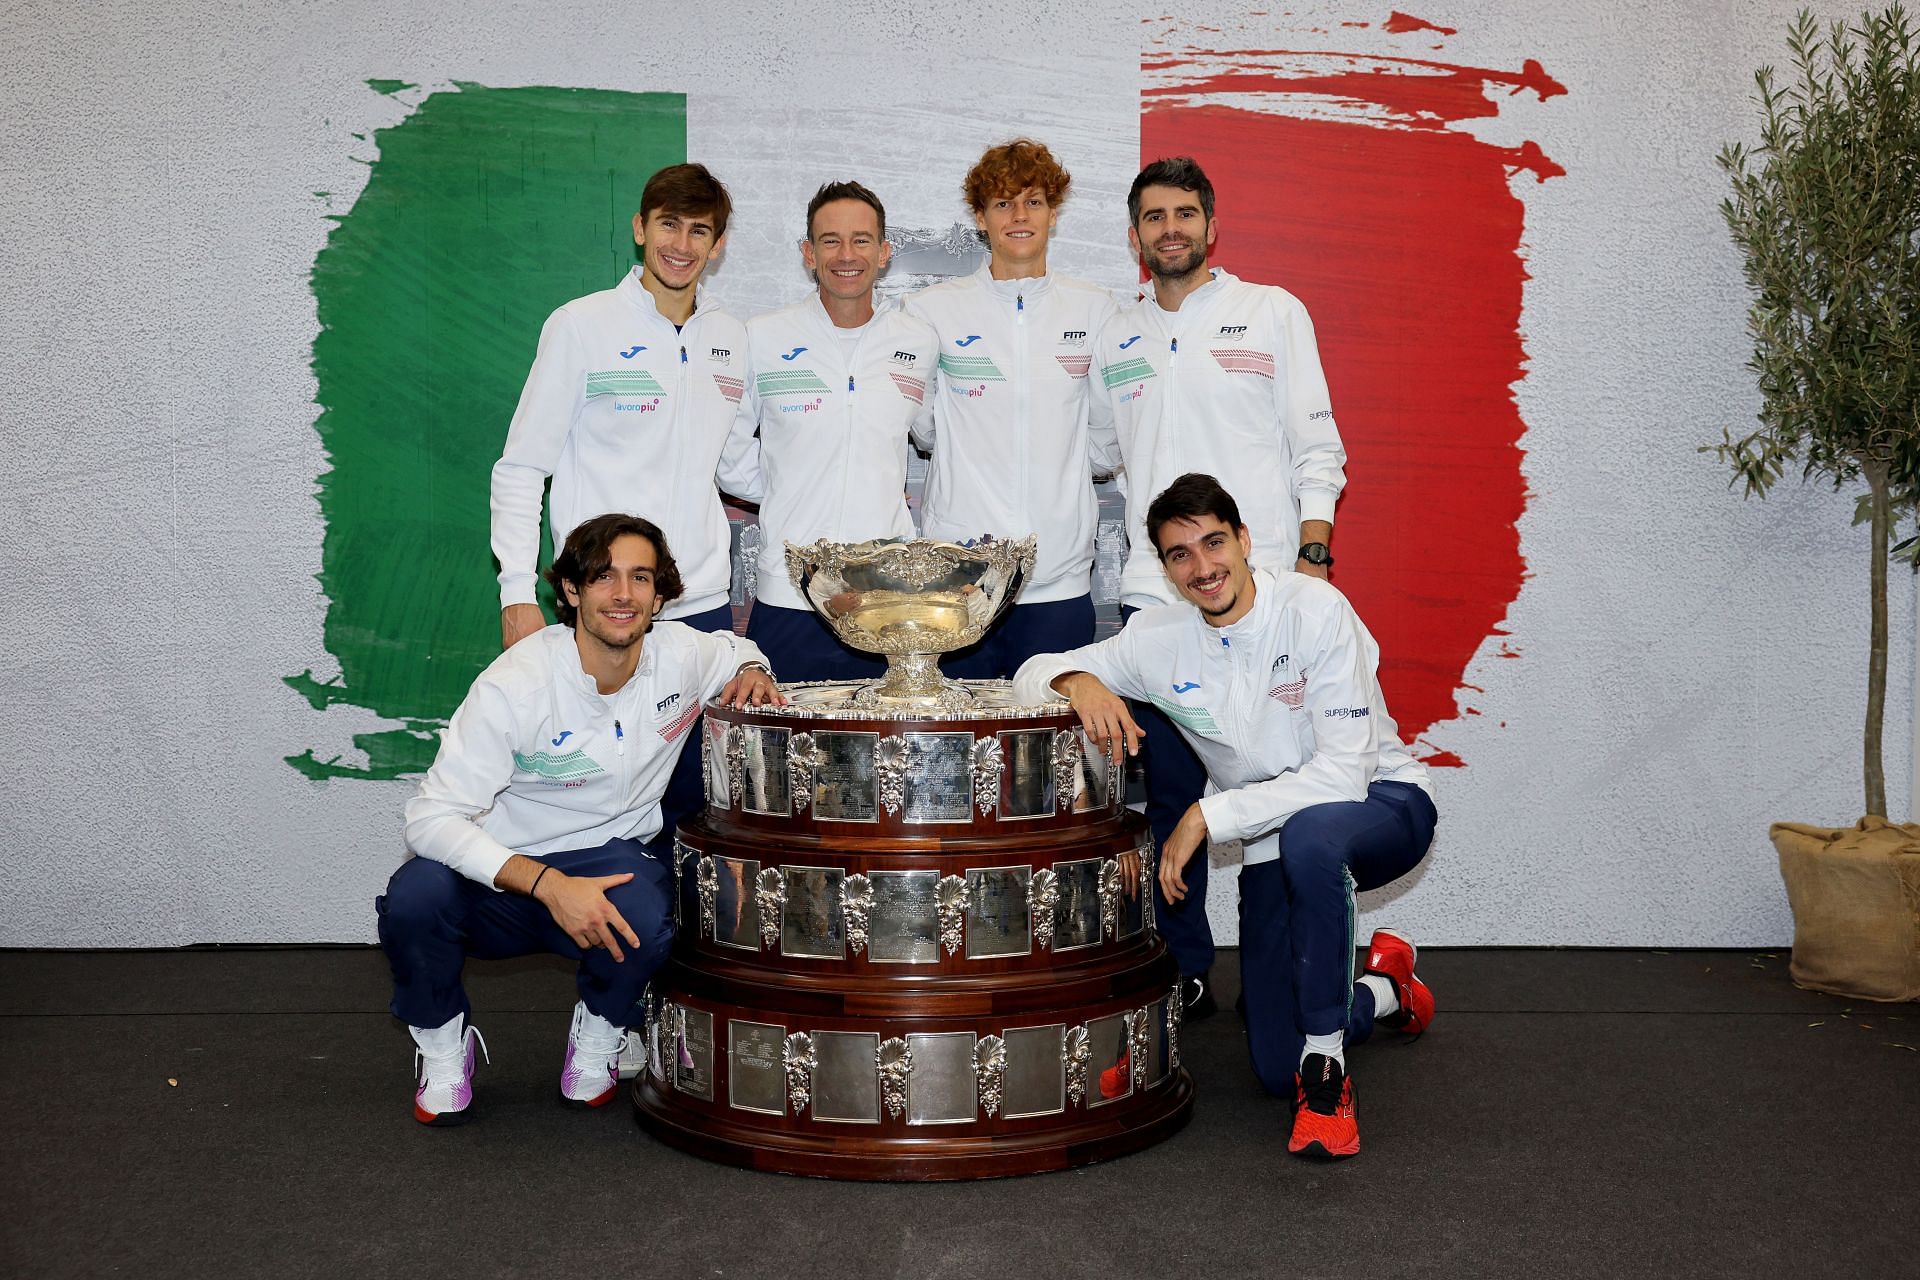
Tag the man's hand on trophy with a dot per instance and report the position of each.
(1103, 713)
(752, 686)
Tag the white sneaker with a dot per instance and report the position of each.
(444, 1064)
(590, 1075)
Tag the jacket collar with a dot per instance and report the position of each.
(643, 301)
(1220, 279)
(1007, 290)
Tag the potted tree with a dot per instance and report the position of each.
(1826, 210)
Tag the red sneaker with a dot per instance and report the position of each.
(1392, 956)
(1323, 1120)
(1117, 1079)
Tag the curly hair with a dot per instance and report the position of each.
(1012, 167)
(589, 551)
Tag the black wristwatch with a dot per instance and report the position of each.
(1317, 553)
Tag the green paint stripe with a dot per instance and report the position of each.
(1127, 371)
(485, 209)
(1198, 719)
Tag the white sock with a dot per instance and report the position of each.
(1385, 999)
(1333, 1046)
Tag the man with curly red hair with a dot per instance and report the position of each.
(1007, 423)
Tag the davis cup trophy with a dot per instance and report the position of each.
(916, 933)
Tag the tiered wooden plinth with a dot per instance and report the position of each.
(912, 948)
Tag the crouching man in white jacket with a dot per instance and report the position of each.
(1273, 683)
(533, 831)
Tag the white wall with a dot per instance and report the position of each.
(1692, 665)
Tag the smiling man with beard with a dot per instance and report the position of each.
(1272, 679)
(538, 828)
(1209, 373)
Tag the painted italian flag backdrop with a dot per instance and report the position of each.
(1340, 175)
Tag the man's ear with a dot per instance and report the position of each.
(1246, 543)
(570, 592)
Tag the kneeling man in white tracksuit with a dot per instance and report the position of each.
(1272, 679)
(537, 828)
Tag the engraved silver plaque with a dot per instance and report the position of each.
(713, 754)
(756, 1067)
(846, 1087)
(764, 754)
(1092, 784)
(1066, 764)
(1076, 920)
(708, 879)
(736, 752)
(999, 922)
(1140, 1043)
(803, 757)
(693, 1068)
(843, 779)
(989, 1071)
(1043, 902)
(952, 893)
(940, 1084)
(939, 777)
(1109, 1062)
(736, 913)
(1110, 895)
(811, 925)
(796, 1054)
(890, 767)
(905, 925)
(1132, 903)
(986, 758)
(1075, 1053)
(1028, 790)
(770, 900)
(1159, 1054)
(1036, 1071)
(894, 1063)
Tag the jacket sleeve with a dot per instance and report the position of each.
(1113, 661)
(1346, 739)
(473, 767)
(720, 655)
(549, 405)
(739, 472)
(1103, 439)
(1306, 418)
(923, 428)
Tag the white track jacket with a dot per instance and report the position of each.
(538, 760)
(628, 415)
(1229, 385)
(834, 417)
(1283, 707)
(1007, 426)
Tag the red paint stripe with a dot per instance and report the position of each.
(1421, 347)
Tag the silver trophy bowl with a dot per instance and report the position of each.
(911, 600)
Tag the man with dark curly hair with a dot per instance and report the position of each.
(538, 828)
(1007, 423)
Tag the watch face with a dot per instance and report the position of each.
(1315, 553)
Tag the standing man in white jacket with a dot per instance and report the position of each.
(1007, 424)
(837, 382)
(631, 406)
(1212, 374)
(538, 827)
(1272, 679)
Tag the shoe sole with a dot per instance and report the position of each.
(1315, 1150)
(445, 1120)
(589, 1104)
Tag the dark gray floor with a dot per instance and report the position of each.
(1573, 1113)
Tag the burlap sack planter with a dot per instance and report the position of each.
(1855, 893)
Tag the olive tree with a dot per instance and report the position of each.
(1826, 211)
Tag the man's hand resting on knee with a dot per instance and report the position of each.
(578, 904)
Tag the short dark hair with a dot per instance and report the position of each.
(1191, 496)
(1183, 172)
(832, 191)
(688, 191)
(589, 551)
